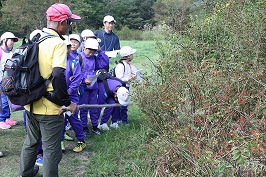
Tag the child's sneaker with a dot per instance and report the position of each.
(114, 125)
(63, 146)
(96, 131)
(125, 123)
(39, 160)
(87, 132)
(11, 122)
(1, 154)
(103, 126)
(80, 146)
(4, 125)
(68, 138)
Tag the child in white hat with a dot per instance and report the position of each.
(7, 43)
(126, 71)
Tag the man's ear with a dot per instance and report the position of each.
(60, 25)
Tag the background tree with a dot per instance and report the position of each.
(132, 13)
(92, 13)
(23, 16)
(174, 13)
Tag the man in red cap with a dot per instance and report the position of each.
(44, 118)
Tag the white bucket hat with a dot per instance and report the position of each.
(123, 96)
(9, 35)
(92, 43)
(87, 33)
(126, 51)
(75, 36)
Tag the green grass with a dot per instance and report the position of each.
(119, 152)
(144, 56)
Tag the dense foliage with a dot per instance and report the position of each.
(23, 16)
(174, 13)
(206, 102)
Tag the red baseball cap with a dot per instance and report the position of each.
(59, 12)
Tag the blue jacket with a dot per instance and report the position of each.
(73, 74)
(102, 96)
(90, 66)
(74, 54)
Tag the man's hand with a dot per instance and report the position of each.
(133, 77)
(73, 107)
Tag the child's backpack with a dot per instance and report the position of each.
(112, 71)
(103, 75)
(22, 82)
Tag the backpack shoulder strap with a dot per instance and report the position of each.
(106, 86)
(121, 61)
(45, 37)
(115, 78)
(119, 80)
(38, 42)
(107, 89)
(80, 61)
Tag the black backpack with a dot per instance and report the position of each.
(112, 71)
(103, 75)
(22, 82)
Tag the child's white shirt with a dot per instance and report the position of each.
(5, 56)
(124, 72)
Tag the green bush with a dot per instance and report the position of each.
(128, 34)
(206, 101)
(148, 33)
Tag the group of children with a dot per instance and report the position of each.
(82, 65)
(84, 58)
